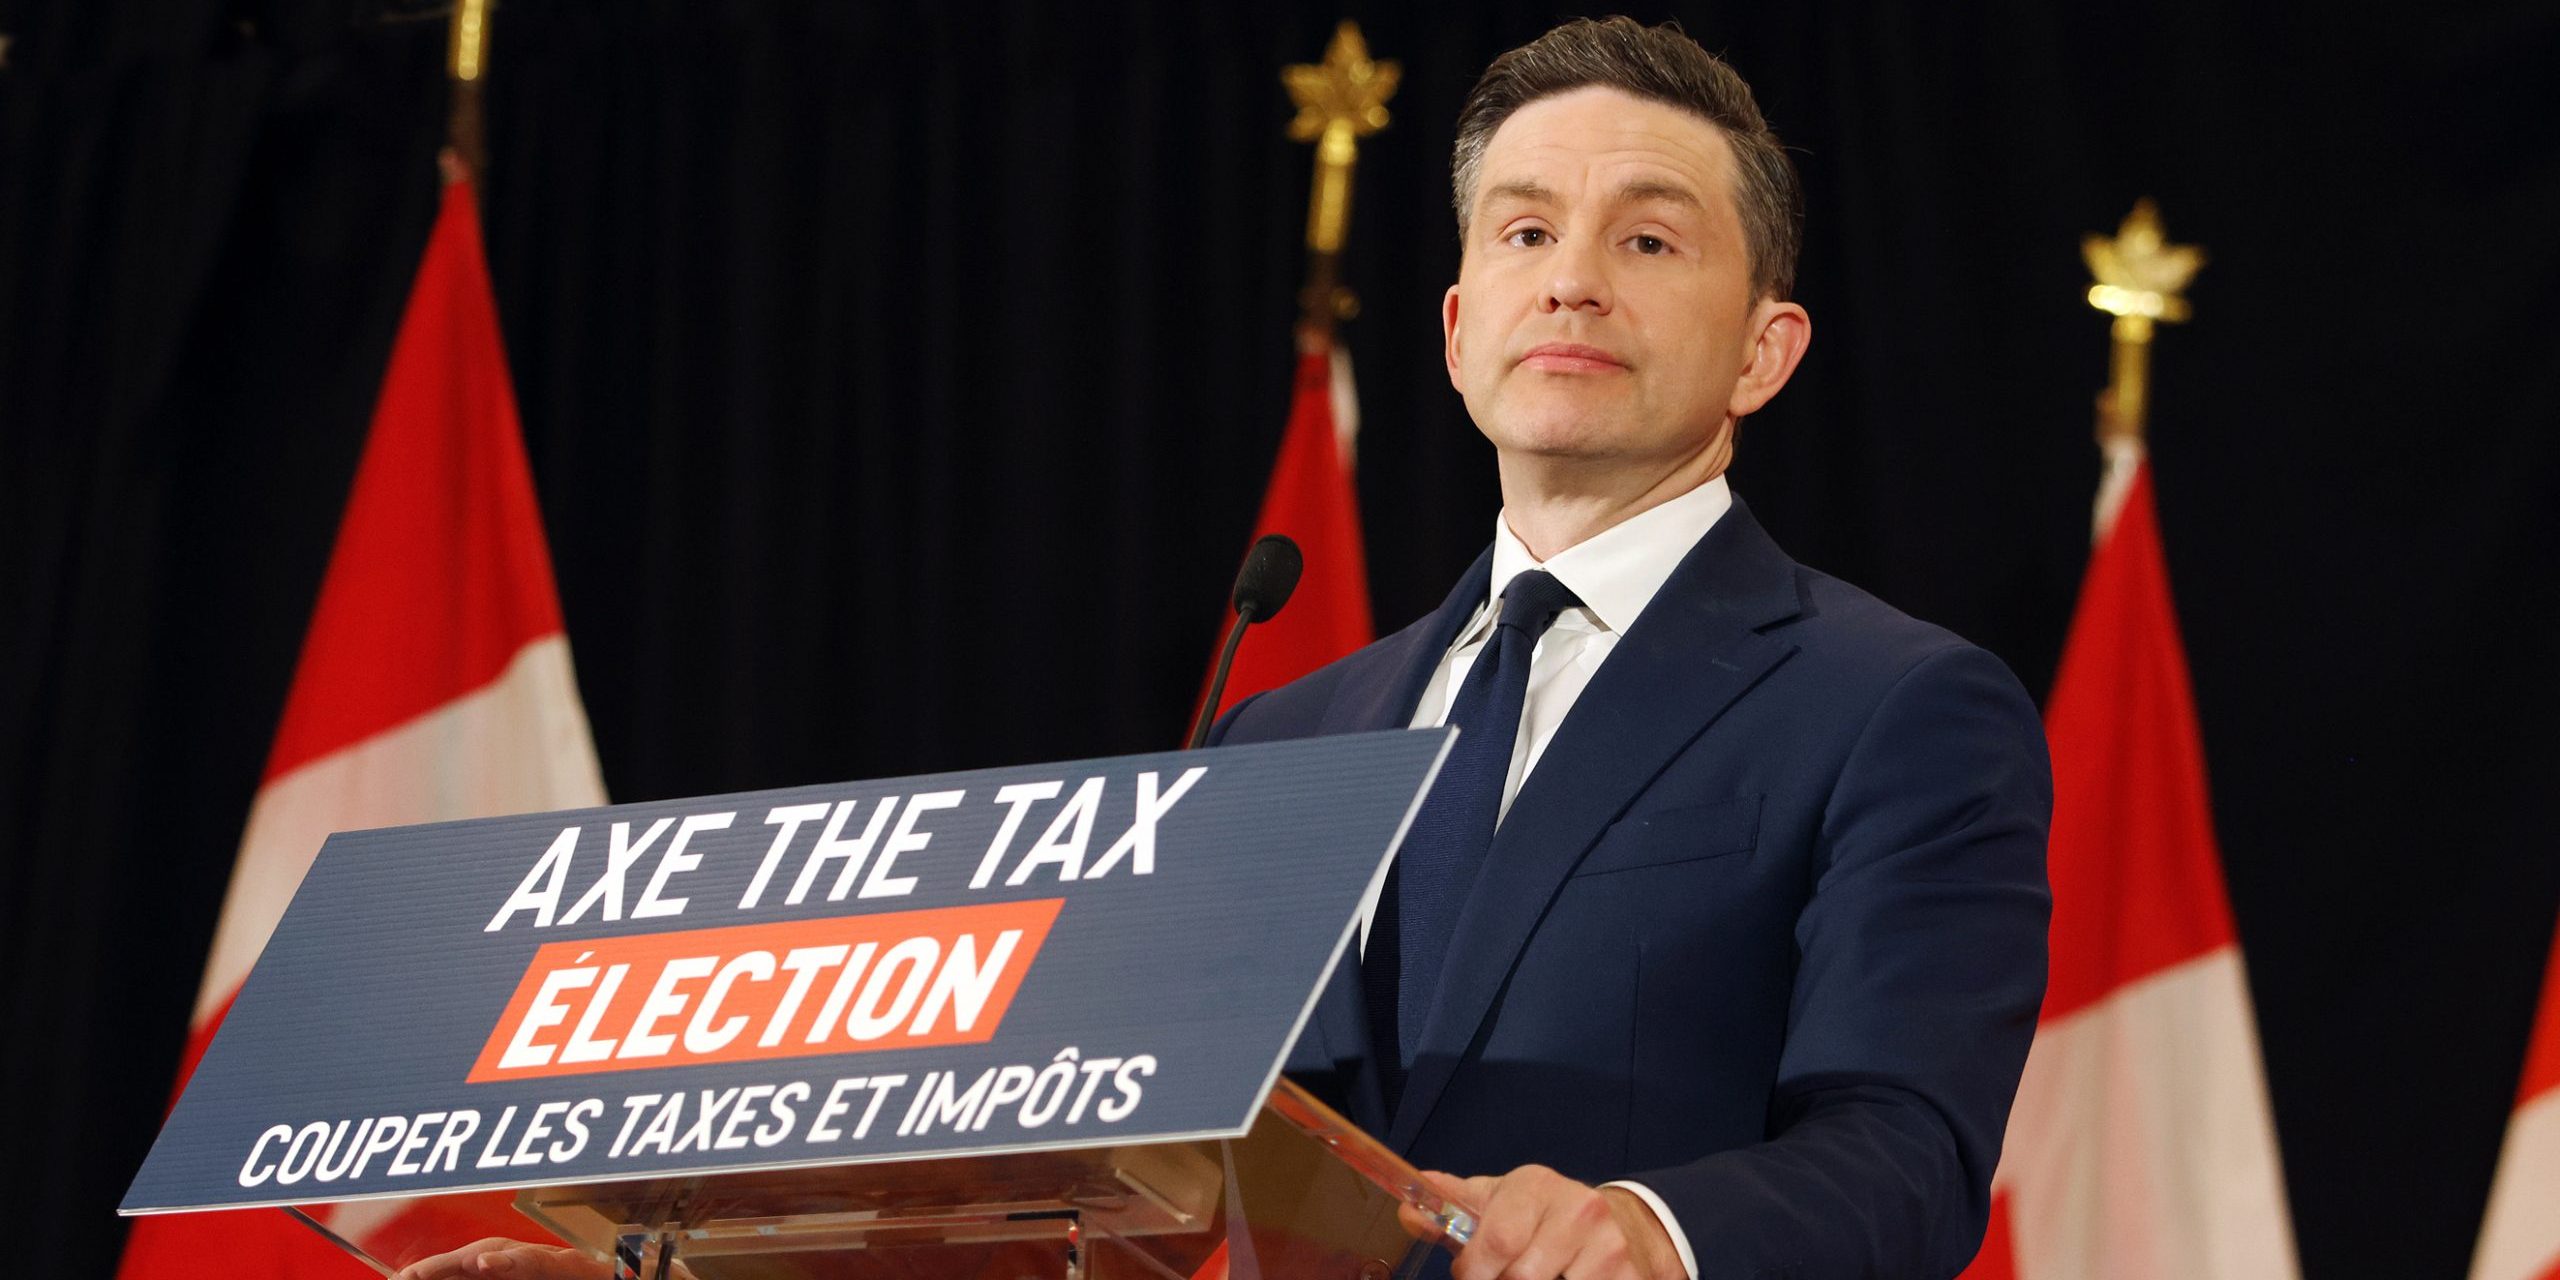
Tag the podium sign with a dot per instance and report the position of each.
(1105, 953)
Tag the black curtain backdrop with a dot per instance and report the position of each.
(900, 385)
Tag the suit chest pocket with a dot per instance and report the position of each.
(1684, 833)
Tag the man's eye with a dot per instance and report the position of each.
(1530, 237)
(1650, 244)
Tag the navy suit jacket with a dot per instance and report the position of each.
(1764, 930)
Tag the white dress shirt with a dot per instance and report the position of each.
(1616, 573)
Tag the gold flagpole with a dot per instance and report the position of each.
(466, 132)
(1340, 101)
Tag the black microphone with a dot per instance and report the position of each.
(1270, 573)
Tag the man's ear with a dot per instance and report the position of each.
(1449, 336)
(1780, 333)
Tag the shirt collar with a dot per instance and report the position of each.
(1618, 570)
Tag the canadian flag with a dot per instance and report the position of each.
(2520, 1239)
(434, 684)
(2141, 1144)
(1311, 499)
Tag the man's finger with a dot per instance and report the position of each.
(535, 1262)
(1466, 1193)
(501, 1259)
(1513, 1213)
(1567, 1214)
(452, 1263)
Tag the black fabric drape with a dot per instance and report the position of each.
(900, 384)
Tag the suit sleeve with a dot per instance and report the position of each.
(1226, 724)
(1921, 964)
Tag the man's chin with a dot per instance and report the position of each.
(1564, 439)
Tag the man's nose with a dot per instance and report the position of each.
(1579, 281)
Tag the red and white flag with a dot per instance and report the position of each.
(2520, 1239)
(2141, 1144)
(1312, 500)
(434, 684)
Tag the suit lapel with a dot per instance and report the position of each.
(1407, 660)
(1696, 648)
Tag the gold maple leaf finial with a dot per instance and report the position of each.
(2141, 279)
(1345, 93)
(2139, 273)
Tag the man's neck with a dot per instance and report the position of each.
(1553, 504)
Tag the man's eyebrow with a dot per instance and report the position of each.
(1667, 192)
(1524, 190)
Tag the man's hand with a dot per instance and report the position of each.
(511, 1259)
(1534, 1223)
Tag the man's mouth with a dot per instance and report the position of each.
(1571, 357)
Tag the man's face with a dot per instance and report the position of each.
(1604, 315)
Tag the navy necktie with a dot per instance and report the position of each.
(1441, 854)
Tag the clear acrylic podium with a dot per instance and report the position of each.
(1304, 1195)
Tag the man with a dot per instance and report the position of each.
(1722, 930)
(1727, 939)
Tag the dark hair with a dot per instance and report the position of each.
(1664, 65)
